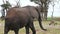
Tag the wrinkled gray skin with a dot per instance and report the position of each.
(18, 18)
(35, 13)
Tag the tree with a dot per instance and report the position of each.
(18, 3)
(44, 4)
(5, 6)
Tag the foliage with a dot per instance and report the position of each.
(34, 0)
(5, 6)
(44, 4)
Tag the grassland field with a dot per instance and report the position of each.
(51, 29)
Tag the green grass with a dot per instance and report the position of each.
(54, 18)
(50, 30)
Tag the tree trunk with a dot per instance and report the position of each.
(45, 15)
(42, 15)
(45, 11)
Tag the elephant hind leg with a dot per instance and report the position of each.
(32, 28)
(6, 30)
(27, 29)
(16, 31)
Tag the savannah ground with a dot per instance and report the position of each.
(51, 29)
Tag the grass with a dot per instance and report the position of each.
(50, 30)
(55, 18)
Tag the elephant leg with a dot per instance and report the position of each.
(27, 29)
(16, 31)
(6, 30)
(32, 28)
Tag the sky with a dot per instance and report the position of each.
(27, 2)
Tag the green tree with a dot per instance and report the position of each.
(44, 4)
(5, 6)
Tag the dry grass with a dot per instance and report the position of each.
(50, 29)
